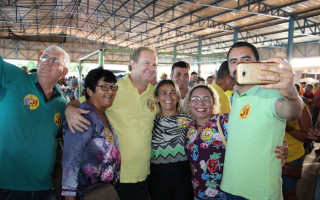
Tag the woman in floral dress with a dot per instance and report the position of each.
(204, 146)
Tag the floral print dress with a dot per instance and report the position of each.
(206, 152)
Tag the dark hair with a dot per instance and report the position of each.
(223, 70)
(310, 85)
(210, 77)
(180, 64)
(94, 76)
(297, 87)
(169, 82)
(200, 79)
(245, 44)
(33, 70)
(194, 73)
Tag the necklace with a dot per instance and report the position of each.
(103, 117)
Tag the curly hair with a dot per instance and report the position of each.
(168, 82)
(213, 93)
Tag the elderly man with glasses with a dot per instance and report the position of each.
(32, 112)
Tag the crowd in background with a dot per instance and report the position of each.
(174, 138)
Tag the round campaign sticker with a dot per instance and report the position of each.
(206, 134)
(182, 122)
(150, 105)
(31, 102)
(57, 119)
(245, 111)
(109, 136)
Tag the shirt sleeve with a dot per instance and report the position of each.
(8, 73)
(74, 145)
(82, 99)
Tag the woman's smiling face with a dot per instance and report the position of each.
(167, 98)
(201, 104)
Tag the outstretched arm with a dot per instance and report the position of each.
(74, 118)
(290, 106)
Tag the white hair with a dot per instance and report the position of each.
(66, 57)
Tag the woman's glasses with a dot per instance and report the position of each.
(107, 87)
(196, 99)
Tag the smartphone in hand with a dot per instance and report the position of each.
(247, 73)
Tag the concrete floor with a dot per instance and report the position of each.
(307, 184)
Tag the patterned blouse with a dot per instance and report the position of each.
(206, 153)
(89, 157)
(168, 137)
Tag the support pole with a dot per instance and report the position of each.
(235, 36)
(101, 58)
(290, 40)
(199, 58)
(175, 51)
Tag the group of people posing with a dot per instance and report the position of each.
(164, 142)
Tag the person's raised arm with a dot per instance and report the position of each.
(74, 118)
(290, 106)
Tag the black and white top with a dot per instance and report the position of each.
(168, 138)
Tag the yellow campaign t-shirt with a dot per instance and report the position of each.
(296, 148)
(229, 93)
(131, 116)
(225, 105)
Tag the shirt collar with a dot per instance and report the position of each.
(55, 92)
(253, 90)
(128, 82)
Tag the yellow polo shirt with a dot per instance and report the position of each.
(131, 116)
(225, 105)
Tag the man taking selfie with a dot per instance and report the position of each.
(256, 127)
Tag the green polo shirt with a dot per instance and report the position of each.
(29, 124)
(251, 168)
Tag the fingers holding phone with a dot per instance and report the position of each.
(283, 69)
(285, 77)
(249, 73)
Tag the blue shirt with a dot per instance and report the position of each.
(89, 157)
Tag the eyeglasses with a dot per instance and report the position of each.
(55, 61)
(203, 99)
(106, 87)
